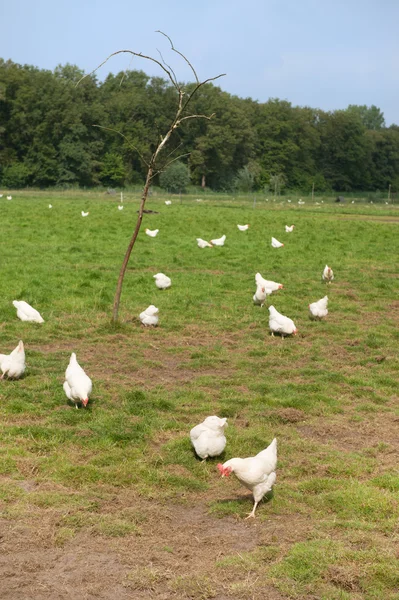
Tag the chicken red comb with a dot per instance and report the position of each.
(221, 468)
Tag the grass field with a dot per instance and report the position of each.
(111, 502)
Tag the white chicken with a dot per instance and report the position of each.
(328, 274)
(13, 365)
(276, 243)
(1, 195)
(9, 197)
(243, 227)
(208, 437)
(77, 385)
(168, 202)
(289, 228)
(50, 206)
(149, 316)
(120, 207)
(261, 294)
(152, 233)
(84, 214)
(318, 309)
(203, 244)
(26, 312)
(162, 281)
(257, 473)
(219, 241)
(278, 323)
(269, 285)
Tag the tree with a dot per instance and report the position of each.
(112, 171)
(370, 116)
(182, 101)
(175, 178)
(244, 181)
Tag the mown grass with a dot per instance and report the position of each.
(212, 354)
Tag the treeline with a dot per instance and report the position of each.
(48, 138)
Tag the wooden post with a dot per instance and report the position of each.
(389, 192)
(313, 192)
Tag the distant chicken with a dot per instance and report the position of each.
(26, 312)
(77, 385)
(261, 294)
(278, 323)
(203, 244)
(269, 285)
(243, 227)
(162, 281)
(289, 228)
(50, 206)
(168, 202)
(318, 309)
(84, 214)
(13, 365)
(9, 197)
(328, 274)
(149, 316)
(257, 473)
(208, 437)
(120, 207)
(152, 233)
(219, 241)
(276, 243)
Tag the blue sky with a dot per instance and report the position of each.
(319, 53)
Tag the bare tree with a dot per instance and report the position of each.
(183, 100)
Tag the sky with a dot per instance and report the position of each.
(321, 53)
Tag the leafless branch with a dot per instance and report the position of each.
(169, 67)
(180, 54)
(165, 166)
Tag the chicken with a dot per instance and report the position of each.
(168, 202)
(208, 437)
(162, 281)
(203, 244)
(318, 309)
(257, 473)
(278, 323)
(269, 285)
(9, 197)
(243, 227)
(261, 294)
(152, 233)
(13, 365)
(84, 214)
(301, 202)
(50, 206)
(149, 316)
(1, 195)
(77, 385)
(26, 312)
(289, 229)
(219, 241)
(328, 274)
(276, 243)
(120, 207)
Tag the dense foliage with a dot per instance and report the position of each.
(47, 136)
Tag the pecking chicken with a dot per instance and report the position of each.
(77, 385)
(243, 227)
(13, 365)
(162, 281)
(318, 309)
(257, 473)
(219, 241)
(203, 244)
(276, 243)
(149, 316)
(269, 285)
(208, 437)
(278, 323)
(26, 312)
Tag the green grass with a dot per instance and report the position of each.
(329, 395)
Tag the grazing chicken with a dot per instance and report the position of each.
(9, 197)
(120, 207)
(269, 285)
(84, 214)
(289, 229)
(328, 274)
(13, 365)
(208, 437)
(219, 241)
(168, 202)
(257, 473)
(276, 243)
(162, 281)
(301, 202)
(261, 294)
(278, 323)
(152, 233)
(50, 206)
(243, 227)
(318, 309)
(26, 312)
(203, 244)
(77, 385)
(1, 195)
(149, 316)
